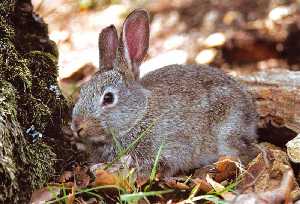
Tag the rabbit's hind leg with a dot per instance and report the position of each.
(228, 134)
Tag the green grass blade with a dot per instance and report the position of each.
(194, 191)
(85, 191)
(131, 145)
(187, 179)
(116, 142)
(137, 196)
(136, 141)
(155, 166)
(154, 169)
(95, 195)
(229, 188)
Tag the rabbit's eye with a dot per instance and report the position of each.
(108, 98)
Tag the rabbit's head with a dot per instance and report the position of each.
(114, 100)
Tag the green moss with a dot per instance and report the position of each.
(33, 77)
(13, 67)
(45, 67)
(23, 165)
(35, 158)
(6, 30)
(10, 134)
(29, 96)
(33, 112)
(7, 99)
(6, 6)
(41, 157)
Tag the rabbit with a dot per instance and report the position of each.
(196, 113)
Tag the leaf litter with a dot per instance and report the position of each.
(267, 179)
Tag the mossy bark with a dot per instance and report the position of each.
(31, 104)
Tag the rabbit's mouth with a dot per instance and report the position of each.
(87, 131)
(92, 139)
(84, 143)
(85, 138)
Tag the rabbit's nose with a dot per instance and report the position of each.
(77, 126)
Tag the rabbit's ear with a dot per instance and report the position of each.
(108, 44)
(134, 42)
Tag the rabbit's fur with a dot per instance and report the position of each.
(198, 112)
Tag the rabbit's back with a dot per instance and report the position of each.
(196, 85)
(182, 79)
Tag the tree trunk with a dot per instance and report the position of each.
(277, 94)
(31, 105)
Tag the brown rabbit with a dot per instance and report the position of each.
(199, 112)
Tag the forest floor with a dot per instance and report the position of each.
(243, 37)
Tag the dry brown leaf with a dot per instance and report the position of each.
(114, 175)
(172, 183)
(71, 196)
(225, 168)
(203, 185)
(105, 178)
(219, 188)
(276, 196)
(82, 74)
(45, 194)
(265, 172)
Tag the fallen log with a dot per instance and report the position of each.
(277, 95)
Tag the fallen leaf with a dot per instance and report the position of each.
(105, 178)
(203, 185)
(174, 184)
(219, 188)
(266, 171)
(83, 74)
(114, 175)
(71, 196)
(226, 168)
(276, 196)
(45, 194)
